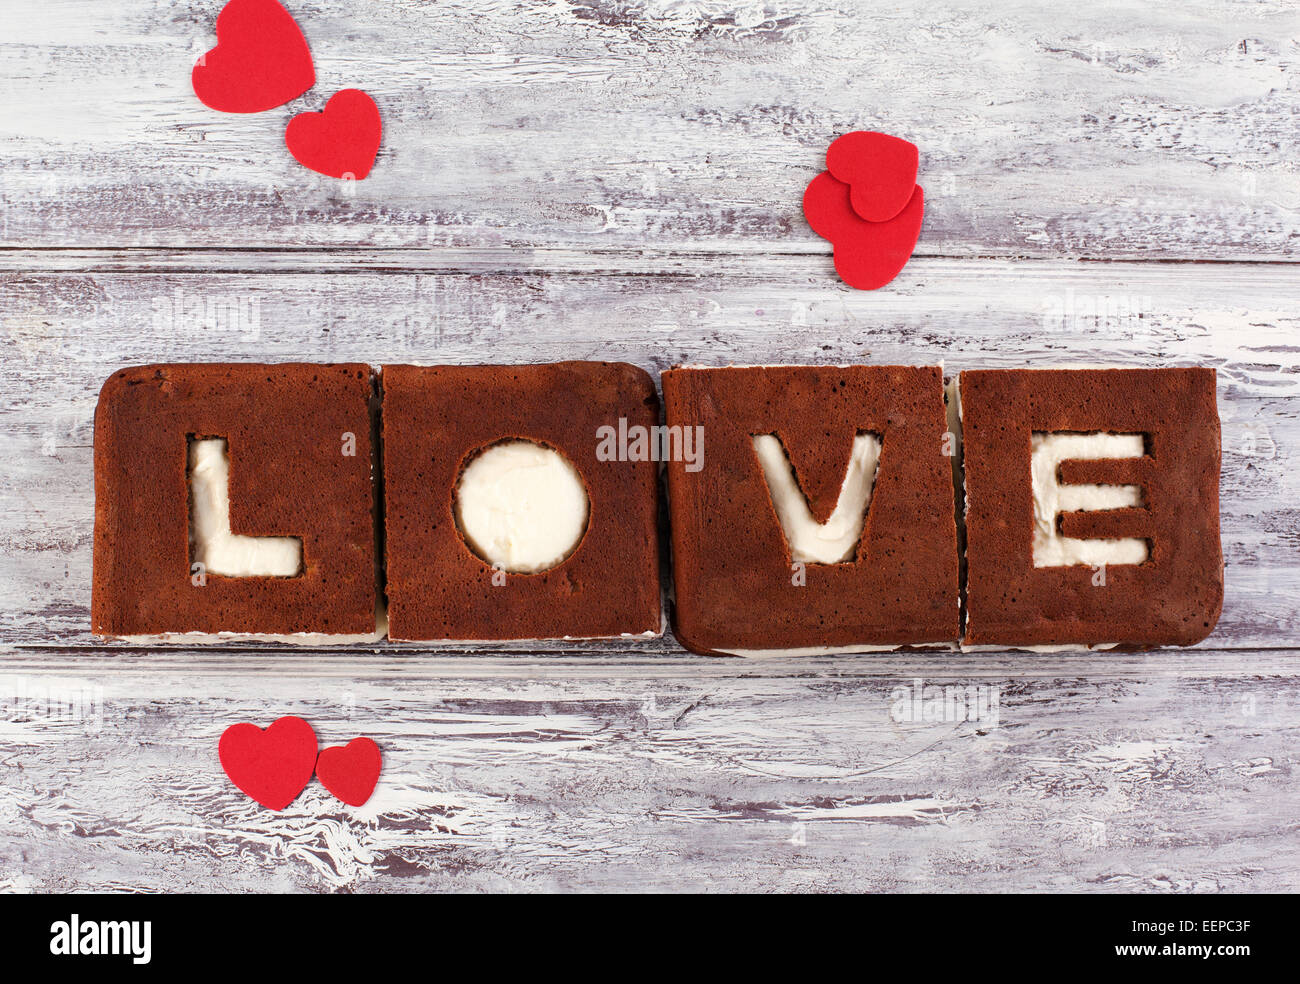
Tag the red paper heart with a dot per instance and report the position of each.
(880, 169)
(868, 255)
(341, 141)
(271, 766)
(261, 59)
(350, 771)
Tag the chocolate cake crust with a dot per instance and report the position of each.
(1175, 597)
(289, 476)
(436, 418)
(733, 572)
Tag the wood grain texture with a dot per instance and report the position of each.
(1108, 129)
(706, 775)
(607, 180)
(65, 333)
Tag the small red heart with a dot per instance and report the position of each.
(271, 766)
(342, 140)
(880, 169)
(261, 59)
(868, 255)
(350, 771)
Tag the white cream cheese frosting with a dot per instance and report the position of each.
(521, 506)
(810, 542)
(803, 651)
(1051, 498)
(292, 639)
(214, 546)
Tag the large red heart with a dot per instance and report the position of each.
(261, 59)
(880, 170)
(350, 771)
(868, 255)
(271, 766)
(341, 141)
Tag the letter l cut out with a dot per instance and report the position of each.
(219, 550)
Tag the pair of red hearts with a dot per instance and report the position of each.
(262, 61)
(275, 765)
(868, 204)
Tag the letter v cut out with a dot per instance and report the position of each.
(734, 586)
(835, 539)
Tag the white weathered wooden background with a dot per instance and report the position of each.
(1111, 182)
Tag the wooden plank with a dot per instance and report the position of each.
(1078, 774)
(63, 333)
(1103, 130)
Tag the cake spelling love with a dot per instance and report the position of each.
(811, 509)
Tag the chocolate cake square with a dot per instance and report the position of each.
(236, 499)
(1092, 507)
(772, 548)
(521, 501)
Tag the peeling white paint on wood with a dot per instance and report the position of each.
(64, 333)
(1107, 129)
(700, 774)
(610, 181)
